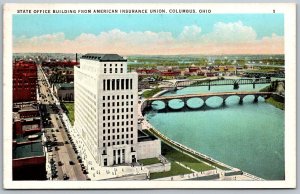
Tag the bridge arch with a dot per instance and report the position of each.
(194, 103)
(232, 99)
(173, 102)
(208, 101)
(158, 105)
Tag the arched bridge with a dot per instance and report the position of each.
(204, 97)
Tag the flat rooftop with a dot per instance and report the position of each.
(143, 136)
(28, 150)
(28, 146)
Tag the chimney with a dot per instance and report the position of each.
(76, 58)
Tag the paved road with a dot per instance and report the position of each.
(64, 152)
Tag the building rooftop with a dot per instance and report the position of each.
(28, 146)
(28, 150)
(65, 86)
(103, 57)
(142, 136)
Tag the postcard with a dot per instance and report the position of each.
(184, 95)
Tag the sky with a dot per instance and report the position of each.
(150, 34)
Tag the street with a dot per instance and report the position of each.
(62, 156)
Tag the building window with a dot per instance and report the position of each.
(118, 84)
(122, 84)
(110, 70)
(116, 70)
(103, 144)
(131, 84)
(103, 97)
(104, 70)
(104, 84)
(121, 70)
(127, 84)
(113, 84)
(108, 84)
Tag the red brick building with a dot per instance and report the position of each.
(24, 81)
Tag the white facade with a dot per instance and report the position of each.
(106, 98)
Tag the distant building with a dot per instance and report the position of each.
(29, 159)
(171, 71)
(24, 81)
(64, 91)
(106, 105)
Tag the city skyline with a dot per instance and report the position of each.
(175, 34)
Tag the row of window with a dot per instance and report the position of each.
(117, 84)
(115, 123)
(119, 110)
(113, 137)
(111, 70)
(118, 116)
(113, 104)
(118, 143)
(115, 65)
(118, 130)
(117, 97)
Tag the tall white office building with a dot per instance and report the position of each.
(106, 99)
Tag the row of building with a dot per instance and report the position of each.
(28, 151)
(175, 71)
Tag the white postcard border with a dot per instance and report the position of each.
(289, 11)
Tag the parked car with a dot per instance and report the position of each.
(66, 177)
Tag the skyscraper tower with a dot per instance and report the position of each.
(106, 98)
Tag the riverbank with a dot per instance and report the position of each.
(276, 100)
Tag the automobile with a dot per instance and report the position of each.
(88, 179)
(60, 127)
(52, 130)
(59, 163)
(57, 130)
(56, 148)
(71, 162)
(65, 177)
(66, 142)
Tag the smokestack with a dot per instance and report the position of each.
(76, 58)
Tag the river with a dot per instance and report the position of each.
(248, 136)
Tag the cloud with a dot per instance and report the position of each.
(225, 38)
(230, 33)
(190, 33)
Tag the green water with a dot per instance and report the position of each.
(248, 136)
